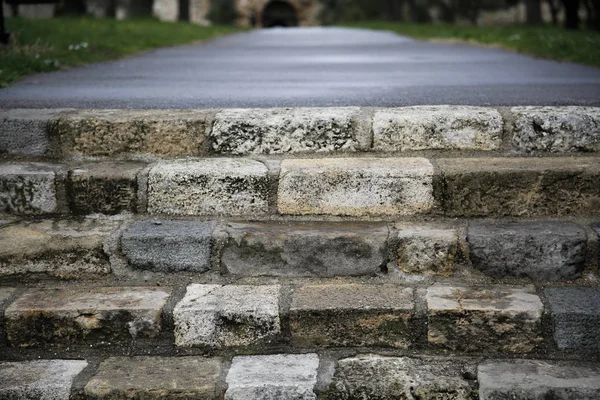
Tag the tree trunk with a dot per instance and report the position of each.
(554, 8)
(571, 14)
(534, 12)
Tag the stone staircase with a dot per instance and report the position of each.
(338, 253)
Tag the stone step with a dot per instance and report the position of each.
(300, 376)
(133, 134)
(354, 188)
(469, 251)
(441, 319)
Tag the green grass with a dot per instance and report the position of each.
(548, 42)
(51, 44)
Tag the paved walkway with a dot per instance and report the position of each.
(311, 67)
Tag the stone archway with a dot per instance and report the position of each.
(279, 13)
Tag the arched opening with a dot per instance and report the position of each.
(279, 13)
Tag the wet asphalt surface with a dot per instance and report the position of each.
(311, 67)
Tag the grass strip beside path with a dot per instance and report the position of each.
(546, 41)
(44, 45)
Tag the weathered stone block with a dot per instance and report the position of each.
(356, 186)
(273, 377)
(209, 186)
(352, 315)
(108, 188)
(64, 249)
(427, 249)
(28, 188)
(519, 186)
(305, 249)
(389, 378)
(575, 317)
(540, 250)
(146, 378)
(534, 379)
(231, 315)
(39, 379)
(556, 129)
(502, 319)
(168, 246)
(437, 128)
(25, 131)
(287, 130)
(108, 133)
(68, 315)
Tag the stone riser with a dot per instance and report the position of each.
(357, 188)
(130, 134)
(439, 319)
(299, 376)
(166, 250)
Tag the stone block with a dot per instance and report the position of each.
(231, 315)
(28, 188)
(390, 378)
(131, 133)
(494, 319)
(535, 379)
(92, 314)
(540, 250)
(352, 315)
(356, 186)
(39, 379)
(64, 248)
(273, 377)
(108, 188)
(24, 131)
(427, 249)
(208, 187)
(168, 246)
(287, 130)
(555, 129)
(146, 378)
(575, 317)
(437, 128)
(519, 186)
(305, 249)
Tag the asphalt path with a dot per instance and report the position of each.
(311, 67)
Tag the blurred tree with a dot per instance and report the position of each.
(571, 13)
(533, 12)
(554, 9)
(592, 7)
(222, 12)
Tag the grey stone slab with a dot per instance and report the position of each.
(230, 315)
(222, 186)
(556, 129)
(25, 131)
(352, 315)
(538, 380)
(575, 317)
(168, 246)
(108, 187)
(493, 318)
(437, 128)
(356, 186)
(287, 130)
(69, 315)
(391, 378)
(64, 248)
(273, 377)
(305, 249)
(39, 380)
(540, 250)
(153, 378)
(519, 186)
(28, 188)
(426, 248)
